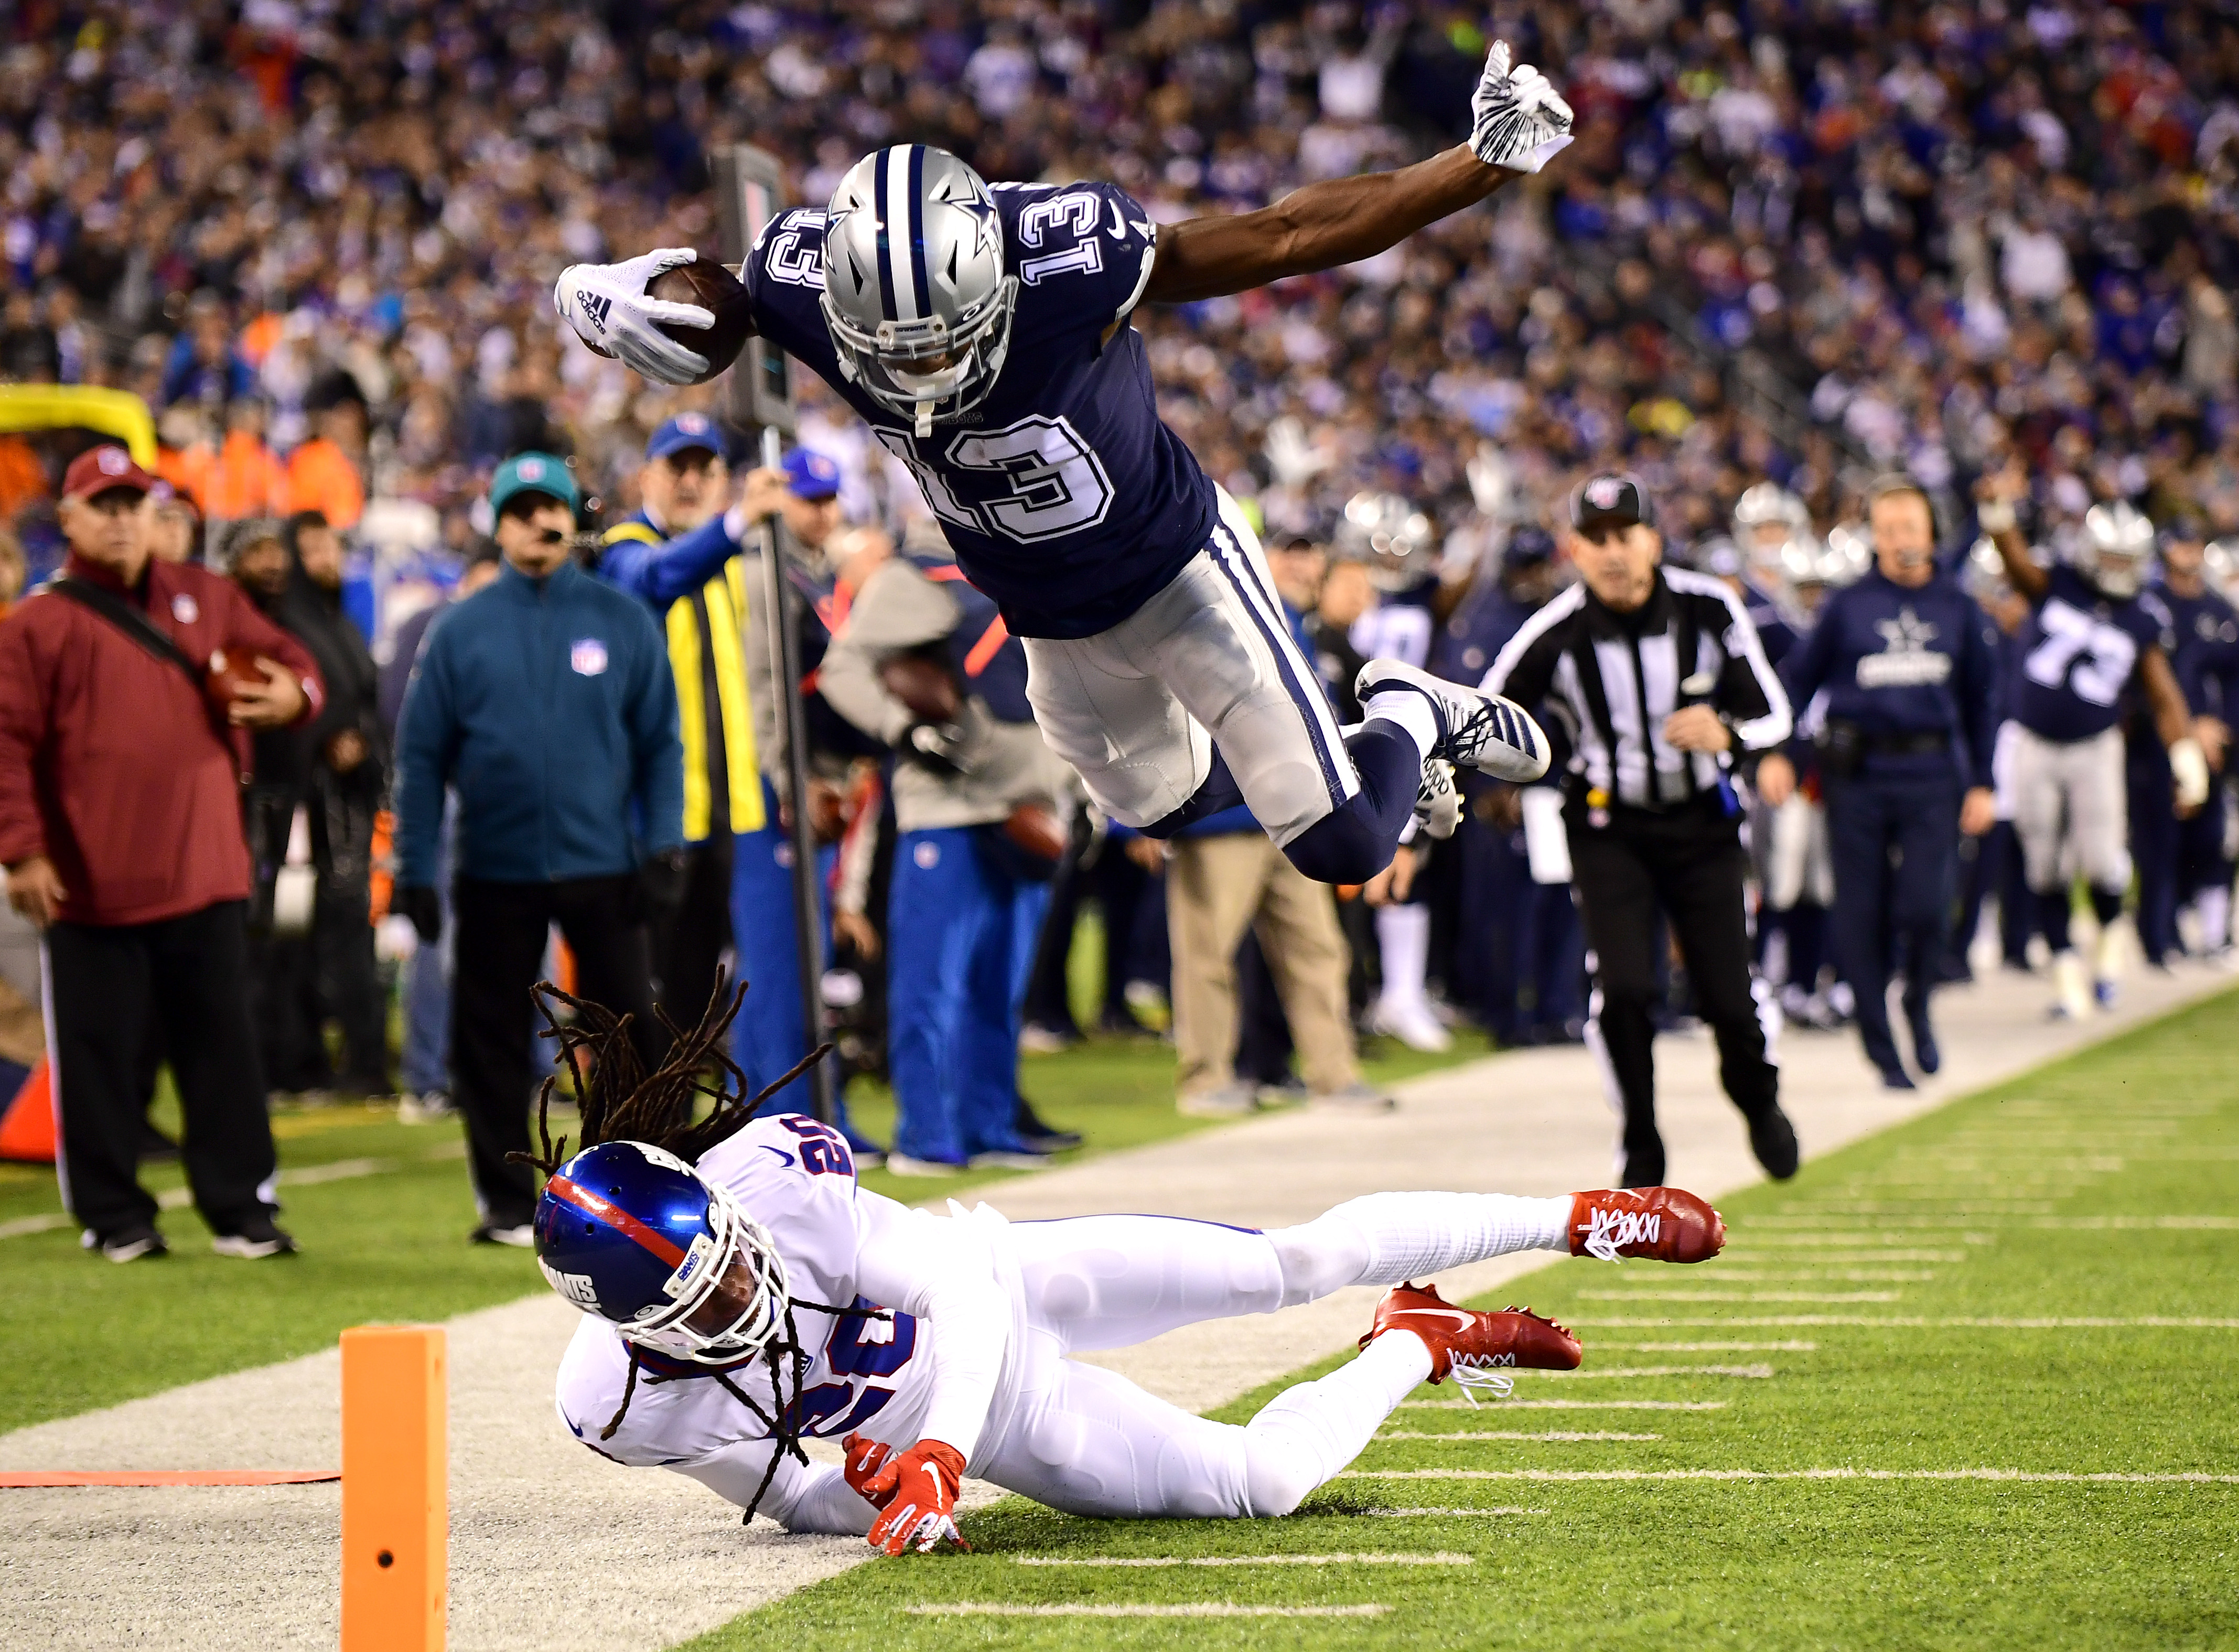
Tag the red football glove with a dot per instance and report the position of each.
(865, 1459)
(918, 1491)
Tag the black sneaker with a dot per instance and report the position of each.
(254, 1238)
(1772, 1139)
(132, 1243)
(1038, 1134)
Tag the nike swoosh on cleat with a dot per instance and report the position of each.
(1459, 1318)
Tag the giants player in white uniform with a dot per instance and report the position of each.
(741, 1291)
(984, 335)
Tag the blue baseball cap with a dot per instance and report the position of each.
(812, 474)
(535, 472)
(689, 430)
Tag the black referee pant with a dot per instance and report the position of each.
(106, 984)
(1689, 862)
(497, 952)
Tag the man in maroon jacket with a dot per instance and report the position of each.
(120, 827)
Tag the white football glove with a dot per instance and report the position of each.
(2189, 768)
(1521, 120)
(607, 306)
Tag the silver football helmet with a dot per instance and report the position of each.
(1850, 553)
(1396, 541)
(2112, 550)
(915, 292)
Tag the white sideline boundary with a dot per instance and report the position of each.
(1201, 1609)
(2051, 1476)
(1441, 1558)
(103, 1571)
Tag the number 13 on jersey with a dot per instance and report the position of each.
(1033, 480)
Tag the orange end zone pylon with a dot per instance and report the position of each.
(395, 1508)
(27, 1124)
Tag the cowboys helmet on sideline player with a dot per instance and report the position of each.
(741, 1292)
(982, 332)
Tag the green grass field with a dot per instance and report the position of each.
(1873, 1423)
(382, 1211)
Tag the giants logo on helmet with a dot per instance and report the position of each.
(575, 1287)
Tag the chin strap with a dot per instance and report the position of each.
(924, 419)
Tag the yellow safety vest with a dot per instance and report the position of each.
(726, 598)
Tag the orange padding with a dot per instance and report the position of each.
(21, 1480)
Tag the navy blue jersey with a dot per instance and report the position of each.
(1774, 634)
(2201, 630)
(1901, 660)
(1476, 632)
(1064, 497)
(1400, 626)
(2079, 650)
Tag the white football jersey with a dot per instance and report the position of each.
(796, 1177)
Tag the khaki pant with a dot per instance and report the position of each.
(1214, 887)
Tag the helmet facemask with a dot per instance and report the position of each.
(927, 370)
(734, 1238)
(2112, 552)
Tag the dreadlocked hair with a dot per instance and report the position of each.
(619, 1101)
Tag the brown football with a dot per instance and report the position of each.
(707, 283)
(232, 672)
(926, 686)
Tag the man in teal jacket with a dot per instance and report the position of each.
(546, 702)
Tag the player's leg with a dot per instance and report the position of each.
(2040, 805)
(2100, 836)
(1114, 1281)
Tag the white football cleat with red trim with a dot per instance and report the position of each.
(1665, 1223)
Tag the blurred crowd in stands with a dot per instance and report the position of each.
(1798, 241)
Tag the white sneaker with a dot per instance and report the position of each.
(523, 1237)
(429, 1107)
(2072, 991)
(1413, 1024)
(1230, 1101)
(1476, 730)
(1355, 1097)
(903, 1164)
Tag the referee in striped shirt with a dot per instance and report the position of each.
(1658, 687)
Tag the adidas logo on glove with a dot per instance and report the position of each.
(594, 307)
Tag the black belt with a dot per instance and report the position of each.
(1914, 744)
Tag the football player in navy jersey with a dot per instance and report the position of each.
(2184, 862)
(2087, 638)
(983, 334)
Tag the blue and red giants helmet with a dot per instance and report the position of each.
(637, 1236)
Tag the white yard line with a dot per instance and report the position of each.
(1439, 1559)
(1565, 1405)
(1712, 1348)
(1202, 1608)
(2049, 1477)
(1507, 1433)
(1433, 1514)
(1757, 1371)
(1741, 1296)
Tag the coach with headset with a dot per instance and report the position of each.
(1658, 687)
(1909, 667)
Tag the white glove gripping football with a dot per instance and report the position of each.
(1521, 120)
(607, 306)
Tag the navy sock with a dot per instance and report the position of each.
(2052, 917)
(1351, 844)
(2106, 904)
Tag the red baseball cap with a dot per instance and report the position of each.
(98, 470)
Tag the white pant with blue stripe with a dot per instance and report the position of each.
(1209, 662)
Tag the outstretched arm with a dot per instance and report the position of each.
(1520, 123)
(1996, 497)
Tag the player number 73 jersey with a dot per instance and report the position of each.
(1064, 497)
(2077, 651)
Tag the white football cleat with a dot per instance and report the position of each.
(2073, 995)
(1476, 730)
(1413, 1024)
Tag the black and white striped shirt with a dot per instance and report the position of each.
(1602, 683)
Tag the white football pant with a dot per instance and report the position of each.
(1138, 709)
(2071, 809)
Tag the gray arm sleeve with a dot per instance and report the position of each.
(816, 1498)
(897, 608)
